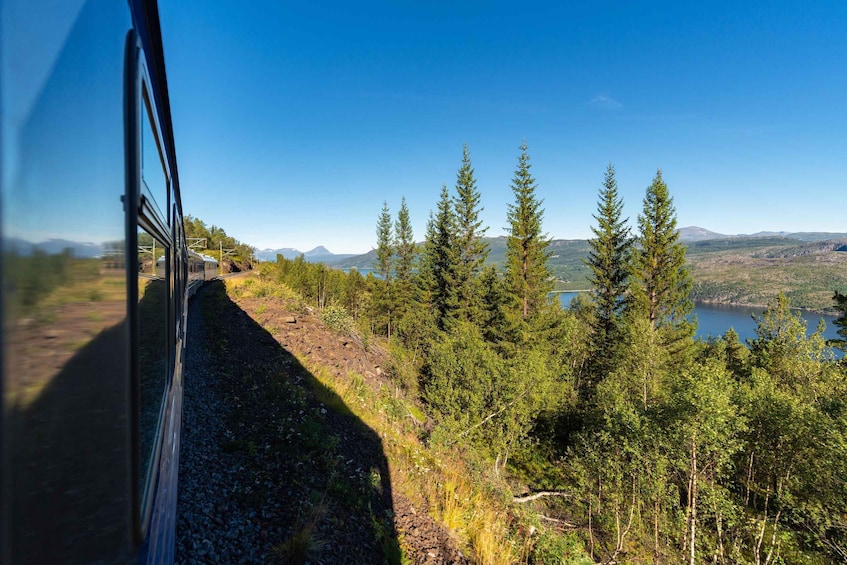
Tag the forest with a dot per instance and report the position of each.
(648, 445)
(210, 240)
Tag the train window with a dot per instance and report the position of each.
(153, 170)
(153, 350)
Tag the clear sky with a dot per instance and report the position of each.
(295, 120)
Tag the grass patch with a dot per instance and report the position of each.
(304, 543)
(456, 496)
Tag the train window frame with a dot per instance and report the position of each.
(149, 193)
(142, 212)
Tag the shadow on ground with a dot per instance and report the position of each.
(310, 476)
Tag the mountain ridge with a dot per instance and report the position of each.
(319, 254)
(696, 233)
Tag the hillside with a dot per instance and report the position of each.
(741, 269)
(753, 271)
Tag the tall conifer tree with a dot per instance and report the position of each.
(471, 248)
(438, 263)
(663, 282)
(384, 252)
(610, 255)
(527, 273)
(609, 261)
(384, 247)
(404, 247)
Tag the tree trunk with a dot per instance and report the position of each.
(590, 532)
(749, 480)
(526, 288)
(773, 538)
(693, 498)
(719, 524)
(757, 549)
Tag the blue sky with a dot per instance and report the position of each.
(294, 121)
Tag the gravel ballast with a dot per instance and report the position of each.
(268, 472)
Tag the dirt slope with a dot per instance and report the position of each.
(309, 481)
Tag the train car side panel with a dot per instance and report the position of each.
(94, 277)
(65, 419)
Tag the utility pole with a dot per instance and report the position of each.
(151, 249)
(224, 253)
(196, 242)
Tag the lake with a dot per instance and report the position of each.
(716, 319)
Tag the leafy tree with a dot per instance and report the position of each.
(354, 299)
(662, 280)
(791, 468)
(706, 426)
(527, 272)
(609, 260)
(621, 463)
(438, 264)
(644, 363)
(782, 348)
(479, 397)
(472, 250)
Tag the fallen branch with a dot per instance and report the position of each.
(539, 494)
(487, 418)
(557, 521)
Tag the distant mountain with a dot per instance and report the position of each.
(270, 254)
(816, 236)
(80, 249)
(762, 234)
(319, 254)
(695, 233)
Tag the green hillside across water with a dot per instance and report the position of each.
(735, 270)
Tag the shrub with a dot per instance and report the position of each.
(338, 320)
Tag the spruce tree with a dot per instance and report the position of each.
(527, 273)
(662, 280)
(404, 247)
(438, 263)
(384, 252)
(609, 261)
(384, 247)
(471, 248)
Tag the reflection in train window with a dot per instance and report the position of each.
(153, 173)
(152, 347)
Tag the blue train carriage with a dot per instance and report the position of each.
(201, 269)
(94, 270)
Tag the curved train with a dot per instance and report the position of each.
(96, 276)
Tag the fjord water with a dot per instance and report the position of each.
(715, 319)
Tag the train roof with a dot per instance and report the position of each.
(206, 258)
